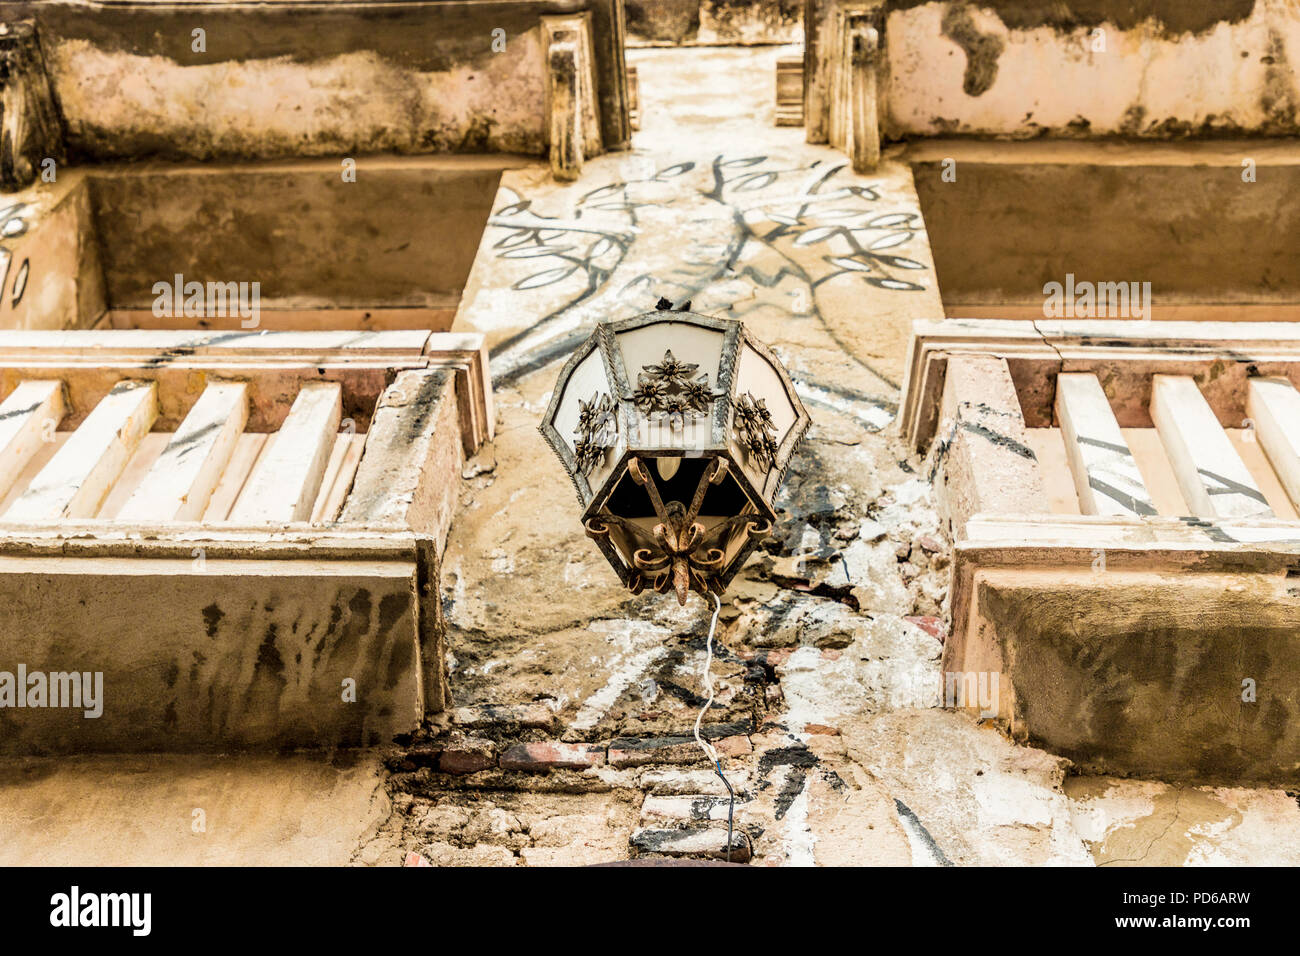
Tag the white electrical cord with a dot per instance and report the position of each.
(708, 682)
(707, 747)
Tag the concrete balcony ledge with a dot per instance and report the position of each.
(227, 541)
(1122, 497)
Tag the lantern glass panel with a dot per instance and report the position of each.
(760, 380)
(677, 362)
(588, 379)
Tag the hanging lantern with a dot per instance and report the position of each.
(676, 429)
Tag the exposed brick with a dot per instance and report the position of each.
(697, 842)
(482, 854)
(414, 859)
(821, 729)
(580, 854)
(934, 626)
(467, 755)
(424, 753)
(634, 752)
(552, 755)
(733, 746)
(930, 543)
(535, 715)
(691, 808)
(666, 781)
(827, 746)
(779, 656)
(772, 735)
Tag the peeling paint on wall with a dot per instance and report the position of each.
(982, 49)
(1089, 70)
(1173, 17)
(124, 104)
(282, 78)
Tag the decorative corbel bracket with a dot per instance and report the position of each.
(845, 75)
(863, 59)
(30, 129)
(573, 124)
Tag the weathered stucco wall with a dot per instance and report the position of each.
(1092, 68)
(1121, 658)
(1191, 219)
(51, 275)
(403, 233)
(311, 79)
(155, 810)
(249, 654)
(570, 741)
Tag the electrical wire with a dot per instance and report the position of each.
(707, 747)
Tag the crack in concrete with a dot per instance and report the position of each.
(1178, 796)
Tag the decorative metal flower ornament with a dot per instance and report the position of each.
(754, 428)
(668, 390)
(596, 431)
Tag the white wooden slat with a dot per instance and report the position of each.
(180, 484)
(74, 483)
(1157, 472)
(28, 419)
(1106, 475)
(1273, 405)
(288, 475)
(146, 453)
(28, 474)
(338, 478)
(1211, 475)
(247, 450)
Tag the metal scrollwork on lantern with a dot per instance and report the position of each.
(677, 476)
